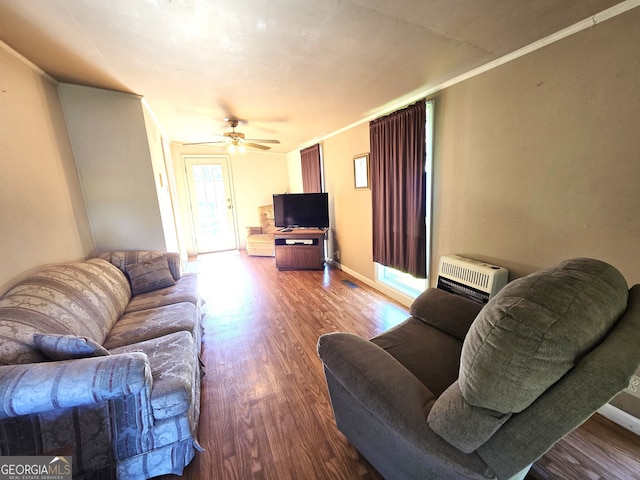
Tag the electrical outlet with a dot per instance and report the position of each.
(634, 386)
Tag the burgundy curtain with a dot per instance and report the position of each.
(398, 190)
(311, 173)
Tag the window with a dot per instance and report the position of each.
(400, 281)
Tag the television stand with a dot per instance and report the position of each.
(300, 249)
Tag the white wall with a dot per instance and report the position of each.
(294, 171)
(42, 215)
(162, 166)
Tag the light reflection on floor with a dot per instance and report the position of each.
(233, 298)
(223, 283)
(390, 315)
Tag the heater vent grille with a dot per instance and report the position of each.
(466, 274)
(470, 278)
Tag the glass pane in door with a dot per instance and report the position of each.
(212, 210)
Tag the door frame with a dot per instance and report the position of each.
(214, 158)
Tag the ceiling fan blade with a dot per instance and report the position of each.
(255, 145)
(212, 142)
(232, 119)
(259, 140)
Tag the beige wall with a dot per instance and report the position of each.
(539, 160)
(255, 177)
(42, 214)
(535, 161)
(350, 208)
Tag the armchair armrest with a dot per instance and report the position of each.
(38, 387)
(376, 379)
(397, 405)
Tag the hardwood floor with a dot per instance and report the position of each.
(598, 450)
(265, 409)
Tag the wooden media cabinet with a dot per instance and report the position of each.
(300, 249)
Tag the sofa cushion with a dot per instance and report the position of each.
(173, 366)
(67, 347)
(536, 329)
(144, 325)
(84, 299)
(185, 290)
(149, 275)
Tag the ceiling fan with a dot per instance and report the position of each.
(236, 140)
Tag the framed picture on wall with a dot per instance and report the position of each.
(361, 170)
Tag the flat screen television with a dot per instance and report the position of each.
(309, 210)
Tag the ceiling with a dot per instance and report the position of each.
(297, 70)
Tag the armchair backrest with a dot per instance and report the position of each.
(596, 379)
(528, 357)
(536, 330)
(267, 220)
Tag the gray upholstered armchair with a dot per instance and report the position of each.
(457, 391)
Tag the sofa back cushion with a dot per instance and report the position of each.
(149, 276)
(536, 329)
(84, 299)
(123, 258)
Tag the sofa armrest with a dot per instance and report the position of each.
(38, 387)
(376, 379)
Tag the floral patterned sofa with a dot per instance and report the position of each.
(100, 360)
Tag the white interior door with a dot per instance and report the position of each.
(212, 214)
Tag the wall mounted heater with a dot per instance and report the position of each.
(478, 281)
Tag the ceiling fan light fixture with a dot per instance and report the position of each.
(236, 140)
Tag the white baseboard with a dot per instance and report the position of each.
(620, 417)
